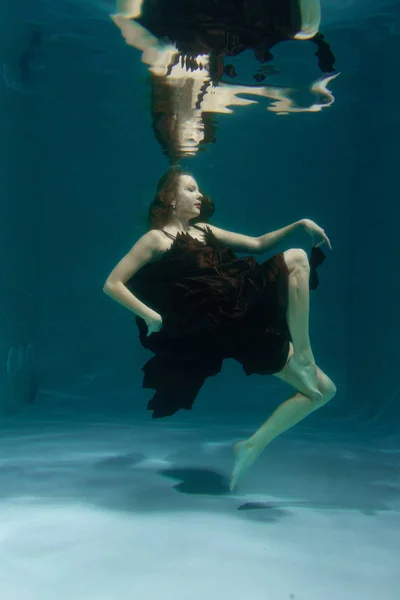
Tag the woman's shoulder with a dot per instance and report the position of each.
(153, 243)
(153, 236)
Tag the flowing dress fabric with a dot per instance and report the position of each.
(214, 305)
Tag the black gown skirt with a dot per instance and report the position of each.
(214, 306)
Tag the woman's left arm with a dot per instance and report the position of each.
(264, 243)
(268, 240)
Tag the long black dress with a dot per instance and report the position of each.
(214, 306)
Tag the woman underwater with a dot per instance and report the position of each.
(197, 303)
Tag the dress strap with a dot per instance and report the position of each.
(199, 228)
(168, 234)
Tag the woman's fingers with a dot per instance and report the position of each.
(324, 239)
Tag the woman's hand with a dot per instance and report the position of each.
(315, 230)
(154, 324)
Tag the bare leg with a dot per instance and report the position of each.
(302, 362)
(294, 410)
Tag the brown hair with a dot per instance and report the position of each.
(160, 209)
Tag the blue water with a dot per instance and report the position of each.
(96, 500)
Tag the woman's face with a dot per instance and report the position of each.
(188, 198)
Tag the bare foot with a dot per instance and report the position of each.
(306, 370)
(245, 456)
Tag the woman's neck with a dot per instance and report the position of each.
(178, 224)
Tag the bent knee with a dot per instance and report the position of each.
(296, 257)
(328, 389)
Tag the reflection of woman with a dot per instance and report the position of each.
(183, 103)
(197, 303)
(179, 122)
(228, 27)
(189, 77)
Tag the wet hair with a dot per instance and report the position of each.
(161, 208)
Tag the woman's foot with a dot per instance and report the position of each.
(306, 370)
(246, 454)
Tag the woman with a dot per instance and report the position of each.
(197, 303)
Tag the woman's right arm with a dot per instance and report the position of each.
(148, 248)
